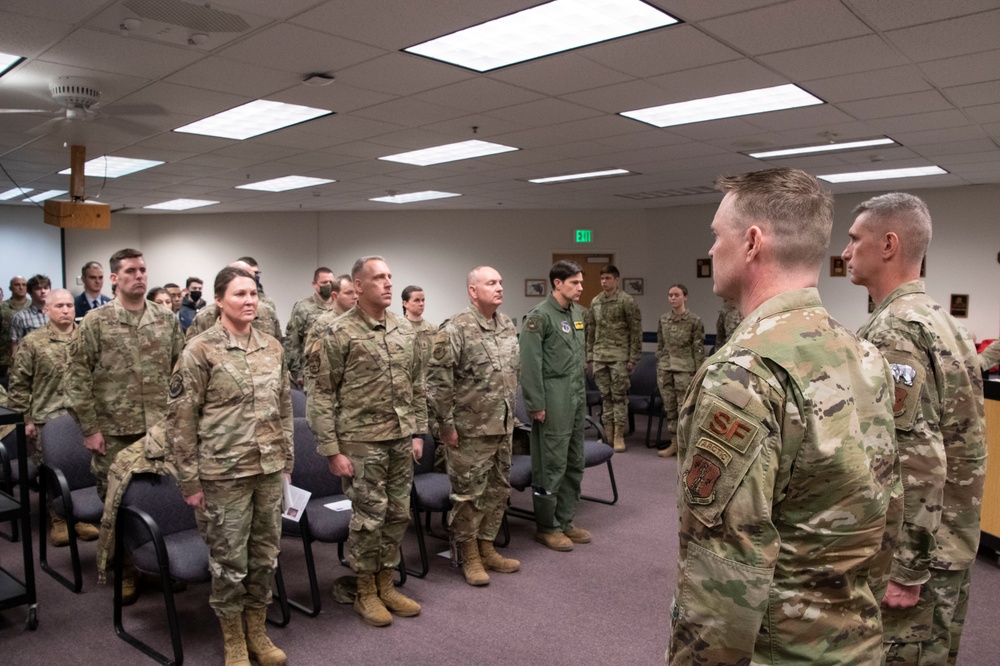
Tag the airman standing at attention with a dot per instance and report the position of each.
(786, 452)
(729, 319)
(614, 344)
(553, 355)
(18, 301)
(939, 428)
(367, 405)
(304, 314)
(471, 393)
(680, 350)
(414, 301)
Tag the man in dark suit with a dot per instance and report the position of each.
(93, 281)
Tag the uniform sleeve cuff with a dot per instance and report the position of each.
(328, 449)
(905, 576)
(189, 488)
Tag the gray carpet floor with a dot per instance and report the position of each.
(604, 603)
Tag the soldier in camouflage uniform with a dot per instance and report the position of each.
(939, 428)
(553, 355)
(36, 390)
(785, 452)
(304, 313)
(680, 350)
(367, 404)
(122, 356)
(614, 345)
(231, 412)
(471, 389)
(729, 319)
(345, 296)
(18, 301)
(414, 301)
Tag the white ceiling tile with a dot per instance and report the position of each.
(693, 10)
(786, 26)
(408, 112)
(410, 139)
(843, 57)
(337, 96)
(886, 15)
(727, 127)
(576, 130)
(791, 119)
(477, 95)
(67, 11)
(29, 36)
(230, 76)
(957, 147)
(120, 55)
(862, 85)
(543, 112)
(988, 113)
(940, 135)
(296, 49)
(720, 79)
(560, 74)
(944, 39)
(975, 94)
(621, 97)
(920, 121)
(486, 126)
(401, 74)
(960, 70)
(668, 49)
(893, 105)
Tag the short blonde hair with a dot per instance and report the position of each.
(906, 215)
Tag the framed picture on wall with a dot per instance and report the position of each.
(534, 287)
(838, 268)
(704, 268)
(633, 286)
(960, 305)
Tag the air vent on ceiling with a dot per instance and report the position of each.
(662, 194)
(194, 17)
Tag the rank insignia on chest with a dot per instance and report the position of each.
(565, 327)
(701, 479)
(578, 325)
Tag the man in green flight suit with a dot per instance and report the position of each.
(553, 343)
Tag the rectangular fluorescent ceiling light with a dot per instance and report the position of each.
(450, 152)
(884, 174)
(788, 96)
(416, 196)
(253, 119)
(284, 184)
(181, 204)
(7, 62)
(16, 192)
(113, 167)
(823, 148)
(43, 196)
(556, 26)
(581, 176)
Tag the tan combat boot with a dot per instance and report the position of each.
(668, 452)
(609, 431)
(235, 641)
(58, 530)
(619, 441)
(554, 540)
(368, 605)
(86, 531)
(494, 561)
(577, 535)
(259, 646)
(472, 565)
(393, 599)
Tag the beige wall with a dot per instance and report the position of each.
(436, 249)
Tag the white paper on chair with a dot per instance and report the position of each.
(294, 502)
(342, 505)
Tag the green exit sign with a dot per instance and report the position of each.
(583, 235)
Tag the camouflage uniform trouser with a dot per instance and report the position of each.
(100, 465)
(241, 524)
(479, 469)
(928, 634)
(613, 381)
(380, 502)
(673, 385)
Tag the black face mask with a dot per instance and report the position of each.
(326, 291)
(256, 278)
(194, 296)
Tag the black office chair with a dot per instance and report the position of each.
(317, 523)
(431, 493)
(593, 394)
(10, 475)
(598, 452)
(644, 397)
(66, 475)
(157, 529)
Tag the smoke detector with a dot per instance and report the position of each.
(74, 93)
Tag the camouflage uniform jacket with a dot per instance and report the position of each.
(425, 332)
(939, 429)
(5, 429)
(36, 378)
(989, 356)
(472, 375)
(8, 309)
(729, 319)
(304, 314)
(365, 382)
(680, 342)
(785, 470)
(615, 328)
(120, 368)
(230, 409)
(208, 316)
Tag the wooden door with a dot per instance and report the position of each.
(592, 265)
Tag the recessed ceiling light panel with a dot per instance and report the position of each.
(788, 96)
(822, 148)
(415, 196)
(114, 167)
(550, 28)
(7, 62)
(253, 119)
(285, 184)
(181, 204)
(884, 174)
(450, 152)
(16, 192)
(45, 196)
(581, 176)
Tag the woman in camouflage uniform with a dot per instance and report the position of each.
(231, 410)
(680, 349)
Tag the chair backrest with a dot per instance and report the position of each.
(426, 462)
(63, 449)
(161, 498)
(644, 376)
(520, 409)
(312, 471)
(298, 403)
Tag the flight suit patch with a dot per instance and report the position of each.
(578, 325)
(701, 479)
(531, 324)
(565, 326)
(908, 381)
(176, 386)
(734, 429)
(715, 449)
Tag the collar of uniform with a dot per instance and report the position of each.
(326, 305)
(232, 342)
(484, 323)
(796, 299)
(678, 317)
(555, 303)
(905, 289)
(124, 316)
(54, 333)
(391, 323)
